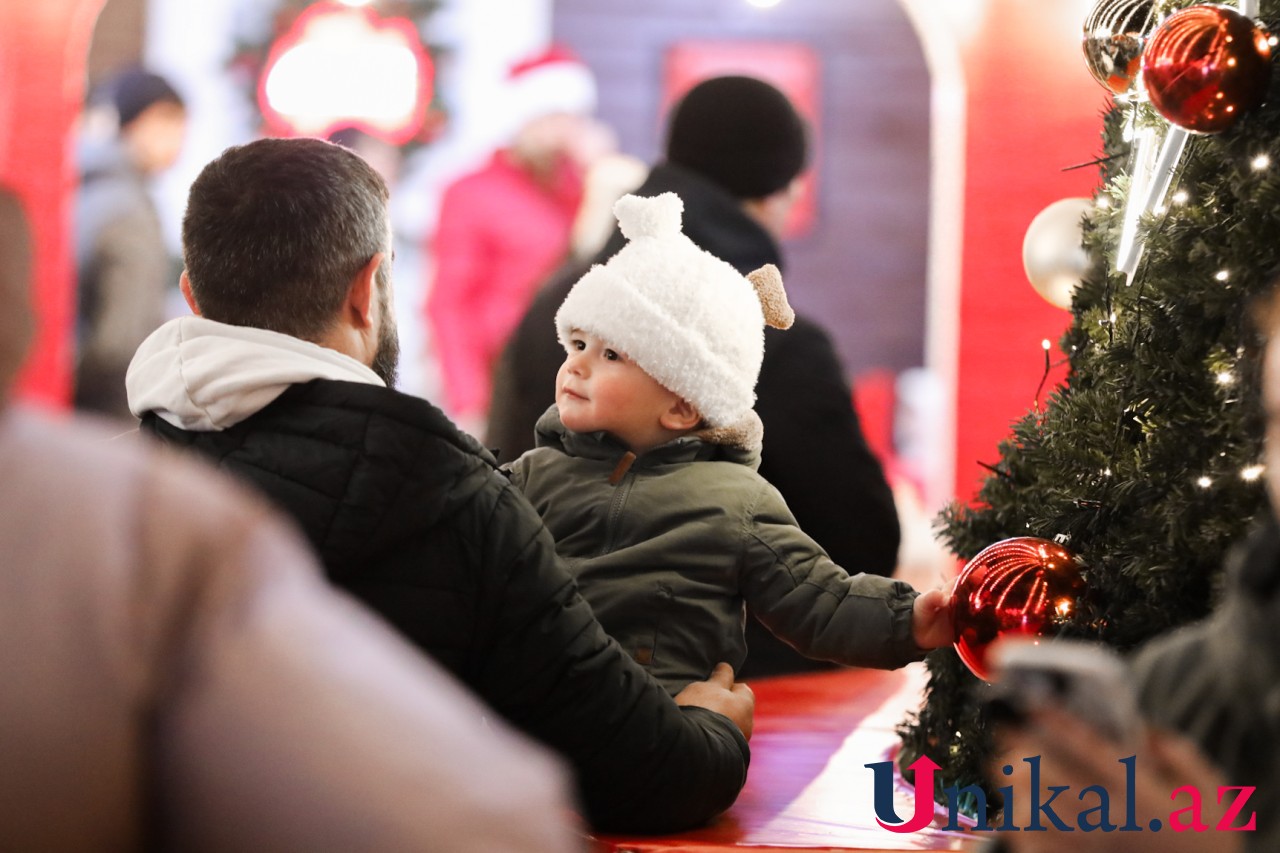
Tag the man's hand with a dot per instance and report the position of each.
(720, 694)
(931, 623)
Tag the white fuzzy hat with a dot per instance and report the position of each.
(687, 318)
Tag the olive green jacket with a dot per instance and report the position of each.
(667, 547)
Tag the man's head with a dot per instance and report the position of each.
(152, 118)
(283, 234)
(740, 133)
(683, 316)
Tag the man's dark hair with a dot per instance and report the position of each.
(276, 229)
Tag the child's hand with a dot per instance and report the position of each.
(931, 622)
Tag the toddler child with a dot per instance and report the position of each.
(645, 471)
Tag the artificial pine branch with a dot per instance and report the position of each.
(1144, 461)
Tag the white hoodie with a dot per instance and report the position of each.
(204, 376)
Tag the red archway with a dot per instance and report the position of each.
(43, 47)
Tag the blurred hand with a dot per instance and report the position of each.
(724, 696)
(931, 622)
(1073, 753)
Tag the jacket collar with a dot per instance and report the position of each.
(696, 447)
(204, 376)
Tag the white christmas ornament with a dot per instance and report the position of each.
(1052, 252)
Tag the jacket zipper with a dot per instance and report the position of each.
(622, 480)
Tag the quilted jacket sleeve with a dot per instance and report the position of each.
(643, 763)
(804, 598)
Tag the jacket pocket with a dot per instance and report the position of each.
(658, 607)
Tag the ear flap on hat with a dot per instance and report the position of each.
(773, 299)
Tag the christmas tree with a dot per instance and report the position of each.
(1145, 463)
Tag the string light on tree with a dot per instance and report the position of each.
(1148, 456)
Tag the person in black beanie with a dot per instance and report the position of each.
(123, 267)
(735, 148)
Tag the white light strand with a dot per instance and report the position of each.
(1252, 473)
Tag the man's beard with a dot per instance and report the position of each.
(386, 359)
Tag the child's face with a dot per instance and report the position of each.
(599, 388)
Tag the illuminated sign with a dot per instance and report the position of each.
(339, 66)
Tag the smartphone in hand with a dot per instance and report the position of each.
(1088, 680)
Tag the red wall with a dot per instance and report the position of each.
(1033, 109)
(43, 46)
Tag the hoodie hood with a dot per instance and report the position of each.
(204, 376)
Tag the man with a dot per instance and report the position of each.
(123, 266)
(177, 676)
(282, 378)
(735, 146)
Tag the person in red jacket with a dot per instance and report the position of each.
(505, 227)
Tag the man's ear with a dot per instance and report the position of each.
(363, 293)
(184, 284)
(679, 416)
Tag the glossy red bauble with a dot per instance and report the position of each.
(1206, 66)
(1019, 586)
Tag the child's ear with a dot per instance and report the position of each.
(680, 415)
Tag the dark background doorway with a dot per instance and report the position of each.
(861, 268)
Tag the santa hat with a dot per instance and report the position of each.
(554, 81)
(685, 317)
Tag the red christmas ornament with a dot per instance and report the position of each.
(1022, 585)
(1205, 67)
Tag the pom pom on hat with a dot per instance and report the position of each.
(685, 317)
(659, 216)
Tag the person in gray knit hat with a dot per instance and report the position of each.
(645, 471)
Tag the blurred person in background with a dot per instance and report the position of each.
(504, 228)
(735, 148)
(123, 268)
(177, 675)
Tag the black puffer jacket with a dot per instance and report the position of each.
(410, 515)
(838, 493)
